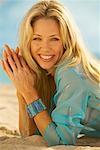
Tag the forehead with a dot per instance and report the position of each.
(46, 26)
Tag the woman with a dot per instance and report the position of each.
(57, 84)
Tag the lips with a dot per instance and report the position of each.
(46, 57)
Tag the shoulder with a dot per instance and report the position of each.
(69, 72)
(65, 75)
(76, 77)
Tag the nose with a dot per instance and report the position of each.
(45, 45)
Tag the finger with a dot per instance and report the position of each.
(17, 50)
(23, 63)
(12, 63)
(5, 55)
(2, 64)
(7, 69)
(16, 59)
(8, 50)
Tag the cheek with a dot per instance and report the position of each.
(32, 52)
(60, 51)
(33, 49)
(33, 46)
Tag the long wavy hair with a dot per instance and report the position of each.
(74, 50)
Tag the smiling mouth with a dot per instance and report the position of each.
(46, 57)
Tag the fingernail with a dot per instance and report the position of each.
(17, 49)
(6, 45)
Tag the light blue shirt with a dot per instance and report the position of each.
(75, 108)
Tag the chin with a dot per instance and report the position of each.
(46, 68)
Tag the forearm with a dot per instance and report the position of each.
(40, 117)
(42, 120)
(26, 125)
(47, 128)
(44, 123)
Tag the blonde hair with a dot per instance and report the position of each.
(74, 50)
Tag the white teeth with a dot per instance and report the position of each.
(45, 57)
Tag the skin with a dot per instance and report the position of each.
(20, 74)
(46, 49)
(46, 43)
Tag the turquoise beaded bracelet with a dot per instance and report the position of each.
(35, 107)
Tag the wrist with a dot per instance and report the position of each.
(31, 96)
(35, 107)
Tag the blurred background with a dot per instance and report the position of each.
(86, 14)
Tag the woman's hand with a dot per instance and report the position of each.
(19, 72)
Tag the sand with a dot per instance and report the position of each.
(9, 133)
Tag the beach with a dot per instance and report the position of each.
(10, 138)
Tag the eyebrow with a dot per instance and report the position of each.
(50, 35)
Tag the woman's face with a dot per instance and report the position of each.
(46, 46)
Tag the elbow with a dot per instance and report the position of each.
(25, 132)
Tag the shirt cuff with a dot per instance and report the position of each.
(51, 136)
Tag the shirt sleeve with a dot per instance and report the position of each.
(71, 102)
(94, 99)
(93, 117)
